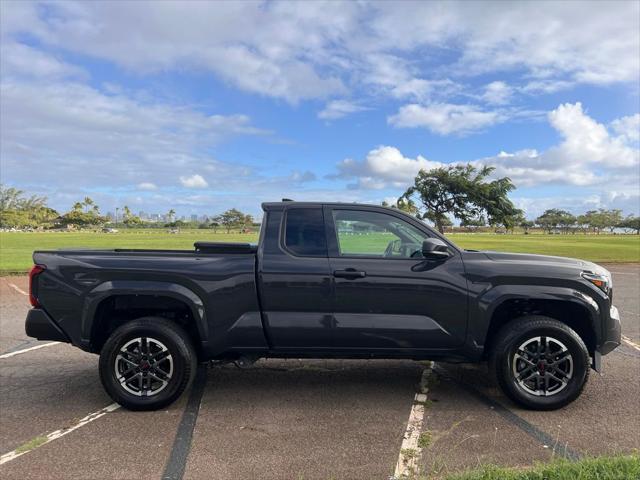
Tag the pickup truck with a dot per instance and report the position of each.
(327, 280)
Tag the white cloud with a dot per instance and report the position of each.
(147, 186)
(303, 50)
(587, 141)
(497, 93)
(273, 50)
(194, 181)
(588, 155)
(94, 138)
(18, 60)
(628, 127)
(391, 75)
(338, 109)
(445, 118)
(591, 42)
(383, 166)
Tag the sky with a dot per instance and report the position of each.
(203, 106)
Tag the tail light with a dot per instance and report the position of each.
(33, 273)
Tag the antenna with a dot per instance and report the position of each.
(287, 200)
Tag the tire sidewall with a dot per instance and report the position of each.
(580, 367)
(182, 356)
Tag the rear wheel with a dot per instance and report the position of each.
(147, 363)
(540, 363)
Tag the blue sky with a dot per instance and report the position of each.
(204, 106)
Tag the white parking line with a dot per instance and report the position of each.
(630, 342)
(25, 350)
(410, 450)
(7, 457)
(626, 273)
(18, 289)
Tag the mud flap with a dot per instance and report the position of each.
(596, 362)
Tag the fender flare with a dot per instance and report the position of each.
(114, 288)
(494, 297)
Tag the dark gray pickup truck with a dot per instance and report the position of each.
(326, 280)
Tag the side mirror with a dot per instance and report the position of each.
(435, 248)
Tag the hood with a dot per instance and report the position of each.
(532, 259)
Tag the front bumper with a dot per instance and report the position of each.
(40, 325)
(612, 332)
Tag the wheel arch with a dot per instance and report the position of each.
(565, 305)
(115, 302)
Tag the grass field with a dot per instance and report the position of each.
(16, 247)
(624, 467)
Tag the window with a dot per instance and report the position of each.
(376, 234)
(305, 232)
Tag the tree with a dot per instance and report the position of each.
(89, 204)
(594, 220)
(473, 224)
(526, 225)
(246, 221)
(566, 221)
(216, 221)
(555, 218)
(582, 223)
(461, 191)
(129, 219)
(232, 218)
(612, 218)
(632, 223)
(403, 204)
(19, 211)
(598, 220)
(407, 205)
(83, 214)
(170, 214)
(13, 199)
(509, 222)
(446, 223)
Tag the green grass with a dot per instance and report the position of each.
(596, 248)
(424, 440)
(16, 247)
(624, 467)
(31, 444)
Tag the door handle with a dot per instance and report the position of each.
(349, 273)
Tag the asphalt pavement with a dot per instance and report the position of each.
(298, 419)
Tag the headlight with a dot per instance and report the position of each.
(601, 280)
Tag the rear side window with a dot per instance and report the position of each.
(304, 232)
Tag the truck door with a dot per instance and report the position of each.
(295, 281)
(387, 296)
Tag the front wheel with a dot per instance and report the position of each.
(540, 363)
(147, 363)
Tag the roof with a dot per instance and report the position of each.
(288, 203)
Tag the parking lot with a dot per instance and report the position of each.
(294, 419)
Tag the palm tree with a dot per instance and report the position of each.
(171, 214)
(88, 203)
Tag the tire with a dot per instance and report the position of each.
(147, 363)
(534, 349)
